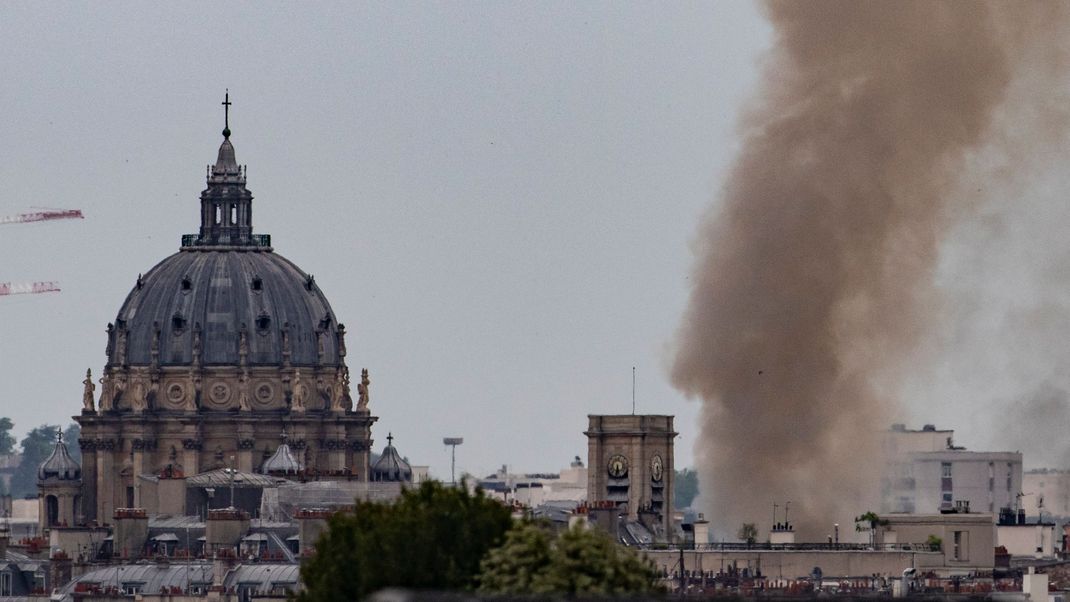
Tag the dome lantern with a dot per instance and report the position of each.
(226, 205)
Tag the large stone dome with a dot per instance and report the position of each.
(215, 294)
(225, 298)
(216, 350)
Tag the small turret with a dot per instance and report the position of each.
(59, 487)
(391, 466)
(282, 462)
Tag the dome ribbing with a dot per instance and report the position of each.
(59, 466)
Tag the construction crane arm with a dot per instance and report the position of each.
(28, 288)
(38, 216)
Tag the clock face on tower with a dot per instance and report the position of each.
(618, 466)
(657, 469)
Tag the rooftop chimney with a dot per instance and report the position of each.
(131, 532)
(702, 530)
(5, 534)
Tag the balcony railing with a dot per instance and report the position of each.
(854, 547)
(255, 240)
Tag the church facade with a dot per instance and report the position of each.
(219, 351)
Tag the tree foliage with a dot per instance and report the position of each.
(7, 441)
(71, 434)
(577, 562)
(432, 538)
(35, 448)
(685, 488)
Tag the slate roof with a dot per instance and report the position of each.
(221, 478)
(153, 577)
(59, 466)
(282, 461)
(391, 466)
(215, 289)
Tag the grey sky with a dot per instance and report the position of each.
(497, 198)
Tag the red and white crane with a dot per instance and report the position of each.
(33, 288)
(44, 214)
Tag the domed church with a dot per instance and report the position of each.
(217, 350)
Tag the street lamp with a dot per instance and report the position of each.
(231, 472)
(453, 442)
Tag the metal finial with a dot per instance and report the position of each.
(226, 114)
(390, 438)
(59, 434)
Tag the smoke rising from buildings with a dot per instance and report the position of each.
(814, 278)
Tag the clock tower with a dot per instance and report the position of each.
(630, 464)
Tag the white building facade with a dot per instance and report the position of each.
(927, 473)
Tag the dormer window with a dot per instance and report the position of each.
(258, 284)
(178, 323)
(187, 284)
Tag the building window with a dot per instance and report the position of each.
(51, 510)
(961, 547)
(5, 584)
(945, 468)
(946, 497)
(1010, 472)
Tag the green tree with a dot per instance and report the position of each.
(431, 538)
(7, 441)
(578, 562)
(35, 448)
(685, 488)
(748, 532)
(516, 565)
(71, 434)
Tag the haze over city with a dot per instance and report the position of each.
(505, 206)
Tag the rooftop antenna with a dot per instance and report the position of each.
(633, 390)
(453, 442)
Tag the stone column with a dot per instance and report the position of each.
(336, 446)
(106, 490)
(137, 446)
(191, 455)
(245, 446)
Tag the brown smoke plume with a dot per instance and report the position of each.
(813, 281)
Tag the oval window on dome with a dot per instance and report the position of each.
(263, 322)
(178, 323)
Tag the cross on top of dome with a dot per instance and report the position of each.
(226, 114)
(226, 205)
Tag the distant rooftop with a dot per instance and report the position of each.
(899, 427)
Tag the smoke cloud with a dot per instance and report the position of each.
(814, 278)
